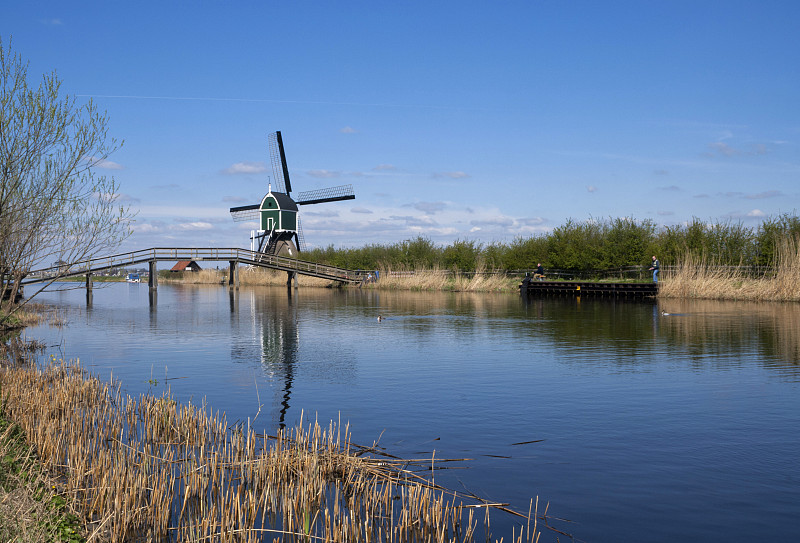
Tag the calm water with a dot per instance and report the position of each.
(680, 427)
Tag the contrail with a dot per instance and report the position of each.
(263, 100)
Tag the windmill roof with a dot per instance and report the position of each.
(284, 201)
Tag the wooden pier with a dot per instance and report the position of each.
(587, 288)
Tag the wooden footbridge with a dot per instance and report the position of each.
(233, 256)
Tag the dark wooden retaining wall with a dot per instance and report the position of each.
(585, 288)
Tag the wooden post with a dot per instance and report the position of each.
(233, 275)
(152, 281)
(88, 282)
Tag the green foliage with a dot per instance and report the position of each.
(768, 235)
(53, 207)
(725, 243)
(576, 246)
(626, 242)
(592, 245)
(462, 255)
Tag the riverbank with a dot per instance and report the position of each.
(31, 509)
(417, 280)
(692, 277)
(148, 467)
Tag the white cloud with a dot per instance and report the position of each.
(429, 207)
(109, 165)
(348, 130)
(756, 213)
(719, 148)
(126, 199)
(196, 225)
(765, 194)
(591, 188)
(384, 168)
(452, 175)
(320, 213)
(532, 221)
(240, 168)
(504, 222)
(360, 210)
(323, 174)
(102, 163)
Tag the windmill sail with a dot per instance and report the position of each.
(330, 194)
(245, 213)
(279, 168)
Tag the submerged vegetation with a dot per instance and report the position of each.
(148, 468)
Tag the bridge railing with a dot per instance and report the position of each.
(199, 254)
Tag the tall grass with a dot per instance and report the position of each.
(697, 278)
(249, 276)
(149, 469)
(445, 280)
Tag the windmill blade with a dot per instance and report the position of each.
(245, 213)
(279, 168)
(331, 194)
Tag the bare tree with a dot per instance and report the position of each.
(53, 207)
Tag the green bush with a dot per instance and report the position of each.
(592, 245)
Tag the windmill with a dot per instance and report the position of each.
(279, 230)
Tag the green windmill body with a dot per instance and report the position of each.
(278, 213)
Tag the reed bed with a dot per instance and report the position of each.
(697, 278)
(436, 279)
(249, 276)
(150, 469)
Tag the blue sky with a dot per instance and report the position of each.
(452, 120)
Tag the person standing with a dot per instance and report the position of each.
(654, 268)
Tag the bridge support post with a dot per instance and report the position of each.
(289, 276)
(88, 282)
(233, 275)
(152, 280)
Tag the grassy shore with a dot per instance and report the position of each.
(31, 509)
(148, 468)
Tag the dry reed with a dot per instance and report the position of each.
(150, 469)
(248, 276)
(697, 278)
(436, 279)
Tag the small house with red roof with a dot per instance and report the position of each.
(186, 265)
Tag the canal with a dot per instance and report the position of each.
(635, 421)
